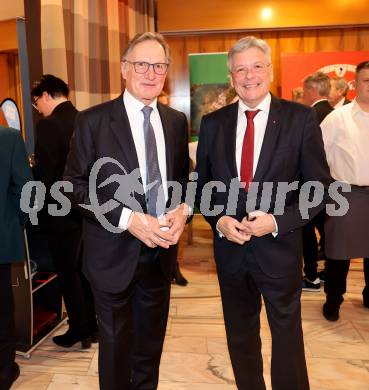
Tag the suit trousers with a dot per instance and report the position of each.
(241, 298)
(7, 326)
(310, 245)
(64, 248)
(132, 326)
(336, 279)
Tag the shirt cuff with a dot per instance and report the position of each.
(124, 218)
(220, 234)
(275, 233)
(190, 210)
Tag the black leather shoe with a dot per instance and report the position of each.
(6, 382)
(95, 336)
(331, 313)
(15, 373)
(178, 277)
(366, 301)
(68, 339)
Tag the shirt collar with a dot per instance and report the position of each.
(134, 104)
(318, 101)
(264, 105)
(357, 109)
(340, 103)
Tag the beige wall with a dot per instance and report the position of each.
(197, 15)
(10, 9)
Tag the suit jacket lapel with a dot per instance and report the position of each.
(120, 126)
(169, 139)
(230, 132)
(270, 138)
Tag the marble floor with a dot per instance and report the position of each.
(195, 353)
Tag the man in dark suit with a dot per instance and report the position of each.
(53, 134)
(317, 88)
(258, 245)
(14, 174)
(139, 145)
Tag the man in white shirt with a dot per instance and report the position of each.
(256, 142)
(346, 141)
(337, 95)
(144, 144)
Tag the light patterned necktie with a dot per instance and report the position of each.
(154, 190)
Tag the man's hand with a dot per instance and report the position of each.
(151, 231)
(233, 230)
(177, 219)
(259, 223)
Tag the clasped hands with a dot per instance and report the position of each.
(162, 231)
(257, 224)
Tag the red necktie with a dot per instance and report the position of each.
(247, 158)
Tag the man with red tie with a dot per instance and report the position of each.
(261, 142)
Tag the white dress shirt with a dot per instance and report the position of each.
(260, 123)
(340, 103)
(346, 142)
(136, 118)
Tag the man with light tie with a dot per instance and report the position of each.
(346, 141)
(260, 139)
(130, 271)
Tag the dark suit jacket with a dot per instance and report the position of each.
(322, 109)
(14, 174)
(53, 135)
(292, 150)
(110, 259)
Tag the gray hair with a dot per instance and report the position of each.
(147, 36)
(320, 81)
(341, 83)
(247, 43)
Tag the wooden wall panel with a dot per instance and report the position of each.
(4, 77)
(10, 86)
(210, 15)
(295, 41)
(8, 35)
(11, 9)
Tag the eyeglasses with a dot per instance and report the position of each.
(142, 67)
(258, 68)
(34, 104)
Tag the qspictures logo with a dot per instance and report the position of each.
(266, 196)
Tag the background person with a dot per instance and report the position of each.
(316, 91)
(14, 174)
(346, 141)
(178, 277)
(337, 95)
(53, 134)
(298, 95)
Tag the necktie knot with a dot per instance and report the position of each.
(147, 110)
(250, 115)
